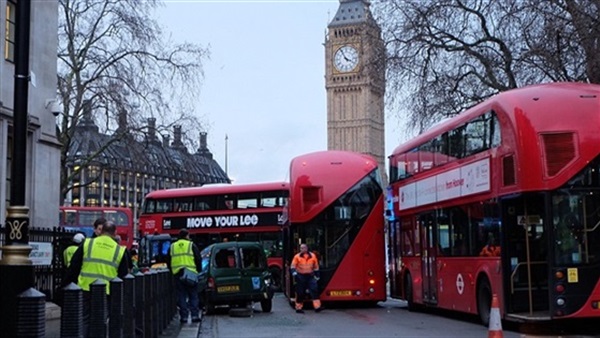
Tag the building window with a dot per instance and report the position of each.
(9, 39)
(91, 202)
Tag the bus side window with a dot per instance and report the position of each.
(201, 206)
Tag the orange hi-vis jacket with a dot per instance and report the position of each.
(490, 251)
(305, 264)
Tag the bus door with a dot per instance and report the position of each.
(394, 255)
(427, 226)
(524, 254)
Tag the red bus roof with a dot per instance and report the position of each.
(549, 132)
(215, 189)
(545, 99)
(332, 172)
(64, 207)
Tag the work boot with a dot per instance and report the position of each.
(317, 310)
(299, 311)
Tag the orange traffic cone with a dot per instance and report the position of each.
(495, 328)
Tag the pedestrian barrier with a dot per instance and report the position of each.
(132, 310)
(495, 327)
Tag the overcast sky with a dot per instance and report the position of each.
(264, 84)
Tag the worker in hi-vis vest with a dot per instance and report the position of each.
(98, 258)
(185, 255)
(70, 250)
(305, 270)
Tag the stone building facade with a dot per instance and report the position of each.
(126, 169)
(43, 149)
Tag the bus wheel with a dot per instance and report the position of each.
(275, 278)
(408, 293)
(484, 301)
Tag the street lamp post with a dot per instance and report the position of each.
(226, 156)
(16, 268)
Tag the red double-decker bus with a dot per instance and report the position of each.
(217, 213)
(82, 219)
(336, 208)
(502, 199)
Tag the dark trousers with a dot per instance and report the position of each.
(303, 283)
(188, 299)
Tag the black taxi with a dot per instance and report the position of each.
(235, 274)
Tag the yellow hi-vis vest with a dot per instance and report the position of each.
(101, 258)
(68, 254)
(182, 256)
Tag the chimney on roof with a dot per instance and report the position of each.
(203, 140)
(203, 150)
(86, 117)
(151, 137)
(166, 138)
(177, 143)
(122, 121)
(87, 111)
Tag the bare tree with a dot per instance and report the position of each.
(114, 59)
(447, 55)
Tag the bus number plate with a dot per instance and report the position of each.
(228, 288)
(341, 293)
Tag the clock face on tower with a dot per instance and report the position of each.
(345, 58)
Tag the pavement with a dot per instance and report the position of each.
(174, 330)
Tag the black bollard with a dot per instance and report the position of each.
(71, 313)
(31, 314)
(149, 306)
(156, 302)
(164, 299)
(98, 310)
(161, 302)
(129, 306)
(140, 321)
(115, 313)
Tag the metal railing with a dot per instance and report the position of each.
(139, 306)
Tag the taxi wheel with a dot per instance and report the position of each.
(241, 311)
(266, 305)
(209, 309)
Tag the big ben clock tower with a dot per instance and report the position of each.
(355, 81)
